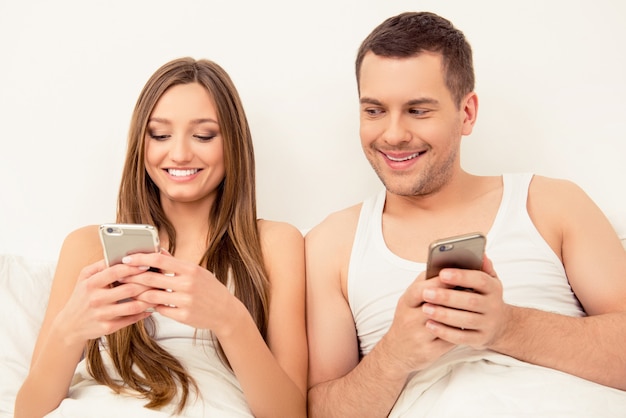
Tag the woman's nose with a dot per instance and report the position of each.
(181, 149)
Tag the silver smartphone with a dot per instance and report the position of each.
(120, 240)
(461, 251)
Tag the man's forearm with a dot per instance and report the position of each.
(589, 347)
(368, 390)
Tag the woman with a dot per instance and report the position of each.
(227, 338)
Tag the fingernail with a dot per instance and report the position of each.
(126, 259)
(445, 275)
(428, 294)
(427, 309)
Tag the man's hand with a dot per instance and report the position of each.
(476, 317)
(409, 345)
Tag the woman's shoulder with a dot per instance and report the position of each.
(278, 231)
(282, 245)
(83, 244)
(80, 248)
(84, 235)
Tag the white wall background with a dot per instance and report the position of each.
(550, 79)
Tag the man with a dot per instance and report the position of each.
(543, 328)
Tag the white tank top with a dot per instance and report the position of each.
(531, 274)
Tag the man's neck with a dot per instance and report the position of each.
(410, 223)
(462, 188)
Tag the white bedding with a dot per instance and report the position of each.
(222, 396)
(470, 383)
(24, 288)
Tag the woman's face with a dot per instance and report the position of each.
(184, 147)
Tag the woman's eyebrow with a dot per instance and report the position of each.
(193, 121)
(203, 120)
(159, 120)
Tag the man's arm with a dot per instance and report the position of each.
(595, 263)
(339, 384)
(590, 347)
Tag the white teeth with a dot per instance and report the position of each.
(410, 157)
(181, 173)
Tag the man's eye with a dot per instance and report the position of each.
(373, 112)
(418, 112)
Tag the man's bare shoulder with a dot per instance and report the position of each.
(559, 208)
(551, 185)
(553, 195)
(336, 229)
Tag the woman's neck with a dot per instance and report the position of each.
(191, 223)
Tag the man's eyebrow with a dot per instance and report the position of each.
(369, 100)
(423, 101)
(414, 102)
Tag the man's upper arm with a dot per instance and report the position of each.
(594, 259)
(333, 345)
(593, 256)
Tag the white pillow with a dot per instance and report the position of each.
(24, 289)
(621, 233)
(619, 223)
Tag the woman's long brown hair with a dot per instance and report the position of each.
(234, 248)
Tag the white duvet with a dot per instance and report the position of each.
(471, 383)
(221, 394)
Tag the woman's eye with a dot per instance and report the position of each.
(158, 137)
(205, 137)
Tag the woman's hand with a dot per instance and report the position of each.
(100, 305)
(186, 292)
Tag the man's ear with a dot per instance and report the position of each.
(469, 108)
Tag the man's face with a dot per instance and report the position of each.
(411, 127)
